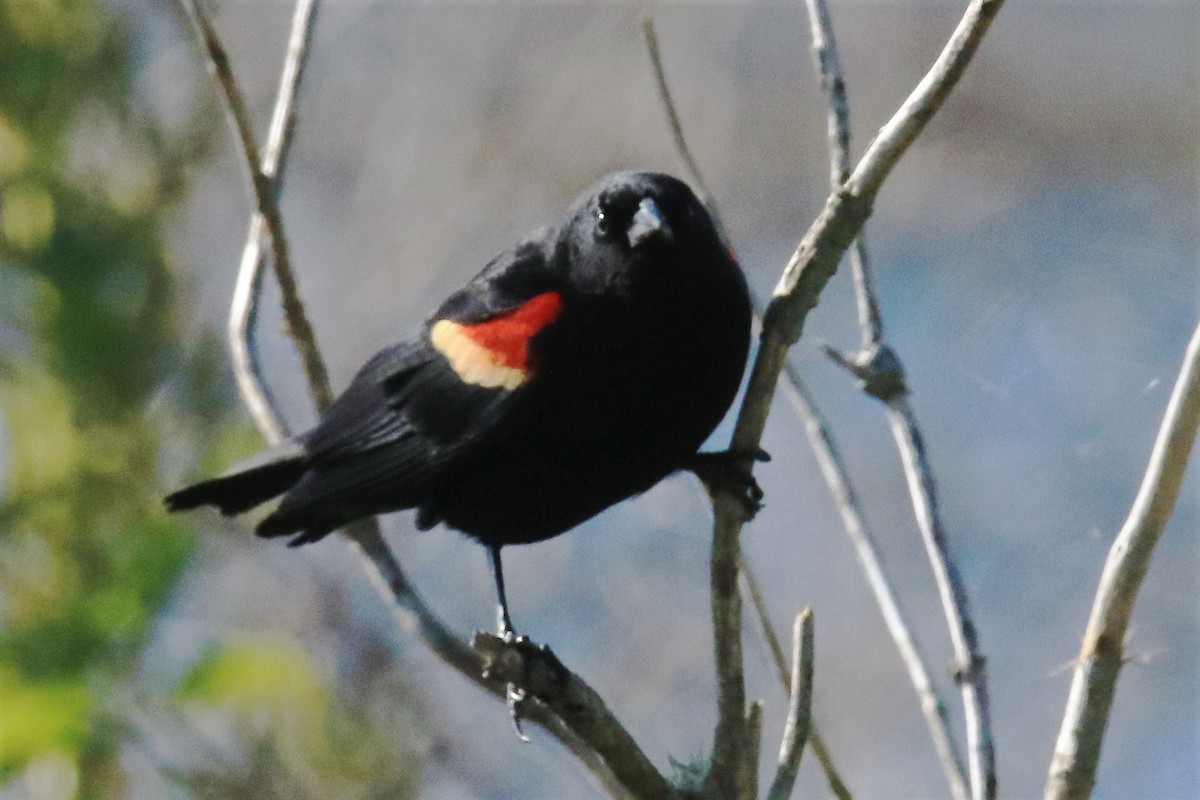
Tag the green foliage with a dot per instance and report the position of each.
(40, 716)
(87, 555)
(305, 742)
(94, 381)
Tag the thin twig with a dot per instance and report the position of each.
(767, 628)
(894, 138)
(247, 290)
(970, 669)
(816, 257)
(804, 277)
(795, 732)
(668, 103)
(1093, 685)
(748, 779)
(681, 146)
(264, 193)
(829, 69)
(846, 499)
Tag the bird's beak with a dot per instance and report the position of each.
(646, 223)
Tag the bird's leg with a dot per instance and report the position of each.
(504, 621)
(729, 470)
(515, 694)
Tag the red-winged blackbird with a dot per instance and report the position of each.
(578, 369)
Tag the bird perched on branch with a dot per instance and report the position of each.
(579, 368)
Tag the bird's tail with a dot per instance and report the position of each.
(247, 485)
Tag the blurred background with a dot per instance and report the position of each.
(1036, 258)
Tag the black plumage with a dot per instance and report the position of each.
(578, 369)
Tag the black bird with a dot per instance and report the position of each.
(578, 369)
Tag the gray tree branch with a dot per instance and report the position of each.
(970, 670)
(837, 479)
(247, 290)
(797, 292)
(694, 174)
(264, 195)
(834, 779)
(795, 732)
(882, 375)
(1094, 682)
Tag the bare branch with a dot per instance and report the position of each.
(668, 103)
(795, 732)
(846, 499)
(409, 607)
(748, 778)
(829, 68)
(894, 138)
(243, 314)
(728, 737)
(264, 193)
(871, 325)
(554, 691)
(805, 275)
(832, 777)
(970, 669)
(816, 257)
(1094, 683)
(882, 375)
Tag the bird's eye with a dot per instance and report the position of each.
(603, 224)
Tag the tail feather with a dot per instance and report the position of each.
(306, 529)
(241, 490)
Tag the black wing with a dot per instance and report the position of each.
(408, 417)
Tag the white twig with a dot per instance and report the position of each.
(846, 499)
(247, 289)
(834, 779)
(264, 192)
(795, 732)
(883, 376)
(833, 82)
(970, 670)
(894, 138)
(1093, 685)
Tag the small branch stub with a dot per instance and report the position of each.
(878, 369)
(1094, 683)
(795, 732)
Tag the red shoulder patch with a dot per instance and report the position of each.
(495, 353)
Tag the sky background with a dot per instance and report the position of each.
(1036, 262)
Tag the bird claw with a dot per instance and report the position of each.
(516, 699)
(728, 471)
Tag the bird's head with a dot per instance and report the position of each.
(632, 228)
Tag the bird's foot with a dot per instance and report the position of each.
(729, 471)
(529, 671)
